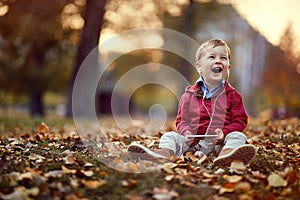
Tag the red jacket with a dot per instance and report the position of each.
(226, 108)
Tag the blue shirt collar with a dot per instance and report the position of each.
(208, 94)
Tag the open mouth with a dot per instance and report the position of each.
(217, 69)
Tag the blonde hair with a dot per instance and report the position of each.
(211, 43)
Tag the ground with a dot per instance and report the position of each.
(48, 159)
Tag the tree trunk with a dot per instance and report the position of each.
(93, 18)
(189, 29)
(36, 105)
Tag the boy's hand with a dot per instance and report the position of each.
(191, 141)
(220, 138)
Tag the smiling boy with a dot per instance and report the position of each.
(210, 107)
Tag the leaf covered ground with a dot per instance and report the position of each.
(49, 160)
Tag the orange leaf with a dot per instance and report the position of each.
(43, 128)
(68, 171)
(94, 184)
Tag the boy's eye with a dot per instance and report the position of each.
(224, 57)
(210, 57)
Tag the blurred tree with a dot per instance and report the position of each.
(34, 48)
(93, 20)
(280, 79)
(186, 24)
(121, 16)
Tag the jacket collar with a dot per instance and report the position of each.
(209, 93)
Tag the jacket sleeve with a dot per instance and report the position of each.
(238, 115)
(182, 122)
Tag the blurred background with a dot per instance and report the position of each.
(44, 42)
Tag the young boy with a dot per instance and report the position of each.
(212, 110)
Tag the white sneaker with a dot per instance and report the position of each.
(142, 152)
(245, 153)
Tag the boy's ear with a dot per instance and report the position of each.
(198, 68)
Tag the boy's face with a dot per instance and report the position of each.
(214, 64)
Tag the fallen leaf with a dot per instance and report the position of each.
(88, 173)
(94, 184)
(219, 171)
(232, 179)
(55, 174)
(169, 177)
(168, 167)
(223, 190)
(237, 166)
(243, 186)
(67, 170)
(130, 183)
(164, 194)
(88, 165)
(34, 156)
(187, 183)
(70, 159)
(275, 180)
(43, 128)
(201, 160)
(23, 176)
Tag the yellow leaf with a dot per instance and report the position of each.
(232, 179)
(68, 171)
(237, 166)
(201, 160)
(168, 167)
(225, 190)
(27, 175)
(276, 180)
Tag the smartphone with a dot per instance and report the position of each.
(201, 136)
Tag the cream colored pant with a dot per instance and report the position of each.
(176, 142)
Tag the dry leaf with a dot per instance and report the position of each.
(232, 179)
(223, 190)
(34, 156)
(237, 166)
(43, 128)
(168, 167)
(27, 175)
(67, 170)
(275, 180)
(243, 186)
(130, 183)
(170, 177)
(55, 174)
(88, 165)
(201, 160)
(88, 173)
(219, 171)
(94, 184)
(70, 159)
(164, 194)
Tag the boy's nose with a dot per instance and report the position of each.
(218, 61)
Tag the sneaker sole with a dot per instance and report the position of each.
(139, 151)
(245, 153)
